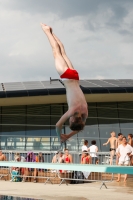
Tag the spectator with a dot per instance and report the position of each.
(130, 139)
(119, 139)
(113, 144)
(16, 171)
(67, 157)
(61, 160)
(58, 158)
(17, 157)
(130, 142)
(2, 156)
(124, 151)
(39, 158)
(84, 147)
(55, 159)
(85, 158)
(93, 152)
(28, 171)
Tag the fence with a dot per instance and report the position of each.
(103, 157)
(59, 172)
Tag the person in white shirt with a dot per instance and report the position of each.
(124, 152)
(84, 147)
(93, 152)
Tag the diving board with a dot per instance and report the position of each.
(71, 167)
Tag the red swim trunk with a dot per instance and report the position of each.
(70, 74)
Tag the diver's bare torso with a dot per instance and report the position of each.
(75, 97)
(113, 142)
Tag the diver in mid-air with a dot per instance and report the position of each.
(77, 105)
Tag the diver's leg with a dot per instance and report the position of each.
(63, 52)
(60, 63)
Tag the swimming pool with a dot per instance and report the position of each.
(4, 197)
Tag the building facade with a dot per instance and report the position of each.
(27, 120)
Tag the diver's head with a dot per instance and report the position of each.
(76, 123)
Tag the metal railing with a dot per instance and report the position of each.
(55, 176)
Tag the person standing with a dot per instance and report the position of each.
(85, 146)
(28, 171)
(113, 144)
(93, 152)
(119, 141)
(124, 151)
(130, 139)
(130, 142)
(2, 156)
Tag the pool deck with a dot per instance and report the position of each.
(87, 191)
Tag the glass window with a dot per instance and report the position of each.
(56, 109)
(0, 114)
(38, 143)
(89, 132)
(65, 107)
(13, 130)
(108, 122)
(38, 120)
(126, 114)
(105, 131)
(125, 105)
(13, 119)
(126, 123)
(13, 115)
(14, 110)
(13, 143)
(107, 104)
(72, 144)
(105, 148)
(44, 144)
(53, 131)
(38, 109)
(92, 105)
(107, 113)
(91, 122)
(126, 131)
(55, 119)
(55, 144)
(38, 131)
(92, 112)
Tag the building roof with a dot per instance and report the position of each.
(41, 92)
(56, 87)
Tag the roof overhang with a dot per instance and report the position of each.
(52, 99)
(53, 91)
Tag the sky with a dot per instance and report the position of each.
(97, 36)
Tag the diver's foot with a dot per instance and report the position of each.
(118, 180)
(46, 28)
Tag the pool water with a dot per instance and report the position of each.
(4, 197)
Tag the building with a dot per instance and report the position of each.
(30, 110)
